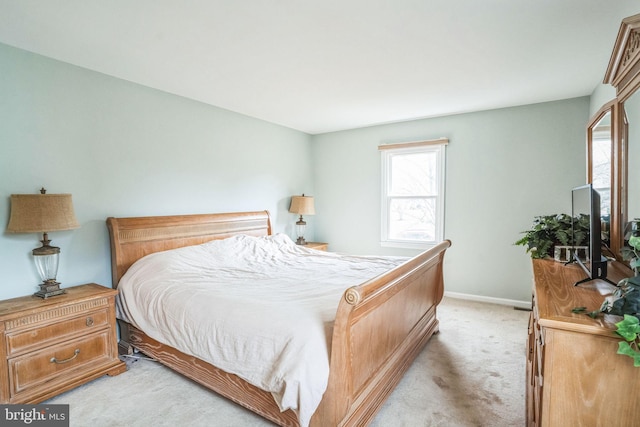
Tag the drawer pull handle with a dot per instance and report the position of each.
(89, 321)
(75, 354)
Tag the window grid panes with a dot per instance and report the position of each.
(413, 194)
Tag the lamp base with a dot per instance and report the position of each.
(301, 241)
(48, 289)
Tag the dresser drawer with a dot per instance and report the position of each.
(45, 335)
(60, 363)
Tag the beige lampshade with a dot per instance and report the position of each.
(41, 213)
(302, 205)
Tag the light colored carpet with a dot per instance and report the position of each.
(470, 374)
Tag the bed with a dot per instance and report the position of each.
(380, 325)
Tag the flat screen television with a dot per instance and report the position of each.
(585, 209)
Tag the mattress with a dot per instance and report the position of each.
(261, 308)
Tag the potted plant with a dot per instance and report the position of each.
(549, 231)
(625, 301)
(631, 253)
(629, 329)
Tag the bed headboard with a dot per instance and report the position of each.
(133, 238)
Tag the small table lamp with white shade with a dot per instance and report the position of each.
(43, 213)
(301, 205)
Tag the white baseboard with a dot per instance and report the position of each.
(519, 304)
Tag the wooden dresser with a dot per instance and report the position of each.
(574, 376)
(52, 345)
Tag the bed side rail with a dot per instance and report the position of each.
(381, 326)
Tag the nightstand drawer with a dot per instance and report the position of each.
(38, 337)
(319, 246)
(54, 344)
(58, 363)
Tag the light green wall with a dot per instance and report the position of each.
(503, 168)
(123, 149)
(600, 96)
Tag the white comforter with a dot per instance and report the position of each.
(259, 307)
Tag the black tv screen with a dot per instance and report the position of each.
(587, 251)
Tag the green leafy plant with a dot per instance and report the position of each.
(625, 301)
(583, 310)
(631, 253)
(549, 231)
(629, 329)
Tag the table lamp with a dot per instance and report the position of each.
(301, 205)
(43, 213)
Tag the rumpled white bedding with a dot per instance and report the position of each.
(259, 307)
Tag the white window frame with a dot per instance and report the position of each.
(387, 152)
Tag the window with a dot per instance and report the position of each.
(413, 193)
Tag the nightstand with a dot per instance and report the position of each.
(320, 246)
(52, 345)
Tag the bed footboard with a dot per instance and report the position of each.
(380, 328)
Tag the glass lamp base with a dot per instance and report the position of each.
(301, 226)
(48, 289)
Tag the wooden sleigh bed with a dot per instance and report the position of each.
(380, 325)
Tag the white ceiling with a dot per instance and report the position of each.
(320, 66)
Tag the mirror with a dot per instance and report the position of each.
(631, 135)
(600, 152)
(623, 115)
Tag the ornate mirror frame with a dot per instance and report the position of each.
(623, 73)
